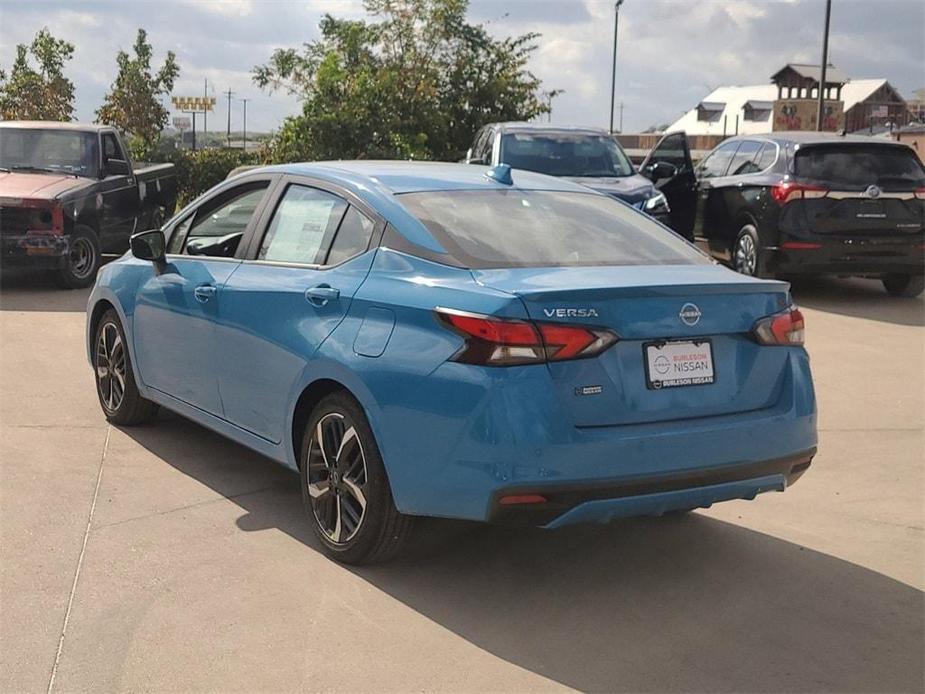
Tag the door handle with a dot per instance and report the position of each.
(204, 292)
(322, 294)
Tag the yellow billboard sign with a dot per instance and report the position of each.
(193, 103)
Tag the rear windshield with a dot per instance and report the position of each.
(565, 154)
(517, 228)
(859, 166)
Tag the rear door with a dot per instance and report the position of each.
(303, 268)
(681, 189)
(861, 189)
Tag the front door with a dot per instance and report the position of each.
(278, 308)
(118, 190)
(176, 311)
(711, 218)
(680, 189)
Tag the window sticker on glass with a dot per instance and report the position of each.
(299, 225)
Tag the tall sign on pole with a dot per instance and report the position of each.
(193, 105)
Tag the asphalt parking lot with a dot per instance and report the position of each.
(166, 558)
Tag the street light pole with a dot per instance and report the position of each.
(825, 62)
(613, 70)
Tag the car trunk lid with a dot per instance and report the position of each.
(647, 305)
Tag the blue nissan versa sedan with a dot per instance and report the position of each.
(425, 339)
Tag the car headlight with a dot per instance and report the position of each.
(657, 202)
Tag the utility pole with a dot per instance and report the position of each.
(825, 62)
(613, 71)
(244, 101)
(229, 94)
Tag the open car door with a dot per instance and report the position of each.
(675, 179)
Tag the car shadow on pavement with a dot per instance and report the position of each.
(29, 291)
(857, 297)
(655, 604)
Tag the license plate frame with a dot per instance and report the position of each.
(657, 383)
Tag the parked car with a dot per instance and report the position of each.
(589, 156)
(70, 193)
(423, 339)
(802, 203)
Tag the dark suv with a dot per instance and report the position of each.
(802, 203)
(584, 155)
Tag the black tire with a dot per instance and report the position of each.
(745, 254)
(908, 286)
(82, 262)
(350, 532)
(115, 382)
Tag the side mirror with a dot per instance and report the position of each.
(151, 245)
(659, 170)
(117, 167)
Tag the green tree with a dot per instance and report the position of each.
(133, 103)
(418, 82)
(42, 92)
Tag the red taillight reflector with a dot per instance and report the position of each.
(516, 499)
(920, 193)
(785, 192)
(507, 342)
(800, 245)
(784, 328)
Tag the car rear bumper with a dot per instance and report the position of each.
(848, 256)
(491, 435)
(44, 250)
(655, 495)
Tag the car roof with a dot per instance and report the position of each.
(52, 125)
(810, 137)
(525, 127)
(398, 177)
(380, 184)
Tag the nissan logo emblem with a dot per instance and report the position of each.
(690, 314)
(872, 192)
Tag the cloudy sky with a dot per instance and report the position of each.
(671, 52)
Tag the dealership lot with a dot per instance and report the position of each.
(164, 557)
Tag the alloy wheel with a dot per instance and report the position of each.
(110, 367)
(337, 478)
(746, 255)
(81, 258)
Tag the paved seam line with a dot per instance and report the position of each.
(80, 561)
(187, 507)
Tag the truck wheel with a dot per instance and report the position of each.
(115, 380)
(345, 489)
(908, 286)
(83, 260)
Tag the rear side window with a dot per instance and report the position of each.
(517, 228)
(352, 238)
(767, 157)
(303, 222)
(857, 166)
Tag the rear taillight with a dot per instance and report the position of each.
(492, 341)
(785, 192)
(920, 193)
(784, 328)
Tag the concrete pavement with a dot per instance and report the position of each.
(166, 558)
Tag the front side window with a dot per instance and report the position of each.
(565, 154)
(217, 227)
(672, 150)
(302, 225)
(111, 149)
(717, 162)
(517, 228)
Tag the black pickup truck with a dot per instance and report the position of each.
(70, 193)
